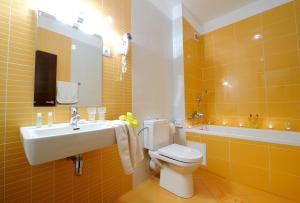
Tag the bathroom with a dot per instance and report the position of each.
(194, 101)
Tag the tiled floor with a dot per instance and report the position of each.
(208, 189)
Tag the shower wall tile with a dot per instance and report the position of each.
(283, 12)
(55, 181)
(193, 57)
(263, 75)
(298, 17)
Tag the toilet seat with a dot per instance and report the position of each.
(156, 155)
(181, 153)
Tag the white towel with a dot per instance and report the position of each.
(129, 146)
(67, 92)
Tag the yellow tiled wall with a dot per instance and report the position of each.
(270, 167)
(103, 177)
(263, 74)
(192, 70)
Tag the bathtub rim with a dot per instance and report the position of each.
(290, 141)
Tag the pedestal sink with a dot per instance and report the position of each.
(60, 140)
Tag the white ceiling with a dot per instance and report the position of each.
(208, 15)
(207, 10)
(166, 6)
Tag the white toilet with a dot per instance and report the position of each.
(176, 162)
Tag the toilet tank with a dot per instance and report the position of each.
(156, 134)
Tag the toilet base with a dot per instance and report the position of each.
(180, 184)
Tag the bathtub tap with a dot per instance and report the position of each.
(197, 114)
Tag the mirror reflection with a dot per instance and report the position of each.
(79, 62)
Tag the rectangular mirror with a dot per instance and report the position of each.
(79, 62)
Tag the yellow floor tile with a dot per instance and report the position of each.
(208, 188)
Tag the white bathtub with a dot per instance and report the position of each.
(262, 135)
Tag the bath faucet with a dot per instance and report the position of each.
(75, 116)
(197, 114)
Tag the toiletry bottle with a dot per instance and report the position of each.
(39, 121)
(50, 119)
(101, 113)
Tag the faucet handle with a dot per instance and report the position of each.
(74, 110)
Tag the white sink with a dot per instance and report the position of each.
(60, 140)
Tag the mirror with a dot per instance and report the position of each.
(79, 62)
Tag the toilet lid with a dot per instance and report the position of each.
(181, 153)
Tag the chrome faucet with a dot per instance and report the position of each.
(75, 116)
(197, 114)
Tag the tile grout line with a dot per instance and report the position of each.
(214, 89)
(32, 118)
(269, 166)
(297, 32)
(53, 183)
(297, 35)
(238, 106)
(267, 116)
(73, 186)
(5, 104)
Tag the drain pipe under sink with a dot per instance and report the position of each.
(78, 163)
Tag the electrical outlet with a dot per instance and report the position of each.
(106, 51)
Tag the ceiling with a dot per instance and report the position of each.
(206, 10)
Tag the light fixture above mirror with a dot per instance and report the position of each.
(85, 17)
(82, 16)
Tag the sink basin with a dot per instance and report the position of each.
(60, 140)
